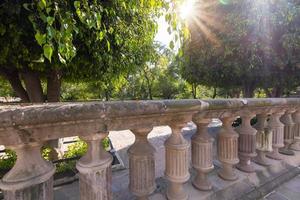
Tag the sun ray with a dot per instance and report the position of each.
(207, 32)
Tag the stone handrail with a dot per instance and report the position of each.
(26, 127)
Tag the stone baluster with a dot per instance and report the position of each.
(228, 149)
(288, 122)
(202, 154)
(296, 143)
(31, 177)
(277, 128)
(177, 164)
(247, 143)
(95, 170)
(263, 140)
(141, 165)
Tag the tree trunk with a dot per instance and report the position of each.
(16, 84)
(53, 86)
(33, 86)
(194, 90)
(275, 92)
(248, 91)
(215, 93)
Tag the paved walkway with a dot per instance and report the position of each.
(287, 191)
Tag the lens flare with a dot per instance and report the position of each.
(186, 9)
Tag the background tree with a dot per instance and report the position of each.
(247, 45)
(51, 40)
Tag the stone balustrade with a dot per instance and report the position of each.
(25, 128)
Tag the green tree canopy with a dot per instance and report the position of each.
(47, 40)
(246, 44)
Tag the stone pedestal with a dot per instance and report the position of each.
(277, 128)
(202, 154)
(247, 143)
(263, 140)
(288, 122)
(141, 165)
(296, 143)
(177, 164)
(95, 170)
(228, 149)
(31, 177)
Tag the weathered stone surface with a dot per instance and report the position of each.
(95, 170)
(141, 165)
(31, 176)
(202, 154)
(177, 164)
(247, 142)
(228, 149)
(26, 124)
(42, 191)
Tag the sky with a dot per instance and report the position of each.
(162, 34)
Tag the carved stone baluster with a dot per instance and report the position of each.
(202, 154)
(247, 143)
(277, 128)
(31, 177)
(228, 149)
(95, 170)
(296, 117)
(141, 165)
(263, 140)
(288, 122)
(177, 164)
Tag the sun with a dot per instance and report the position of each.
(186, 9)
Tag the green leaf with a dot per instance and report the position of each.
(48, 51)
(50, 20)
(40, 38)
(40, 60)
(171, 45)
(61, 59)
(101, 35)
(108, 45)
(77, 4)
(26, 6)
(42, 4)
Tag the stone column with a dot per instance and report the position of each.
(277, 129)
(177, 164)
(141, 165)
(228, 149)
(95, 170)
(296, 118)
(247, 143)
(263, 140)
(31, 177)
(202, 154)
(288, 122)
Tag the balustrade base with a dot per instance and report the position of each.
(245, 167)
(176, 192)
(275, 154)
(227, 173)
(295, 146)
(286, 151)
(201, 182)
(261, 158)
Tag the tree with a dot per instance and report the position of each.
(50, 40)
(249, 44)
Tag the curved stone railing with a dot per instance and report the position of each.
(25, 128)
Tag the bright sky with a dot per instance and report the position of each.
(162, 34)
(185, 12)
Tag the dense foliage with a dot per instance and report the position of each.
(47, 40)
(248, 44)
